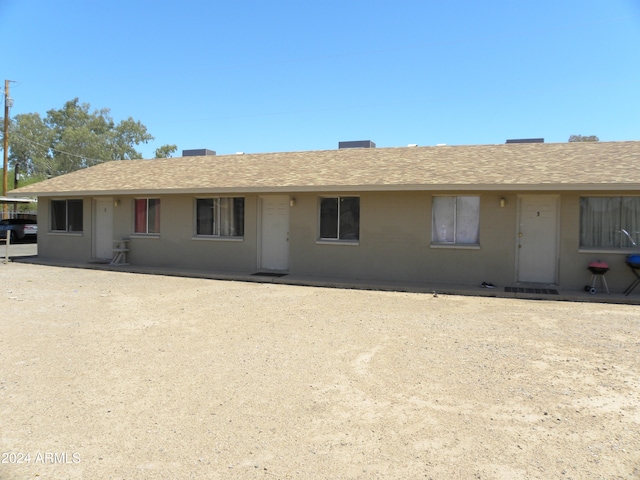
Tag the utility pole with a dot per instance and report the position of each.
(7, 104)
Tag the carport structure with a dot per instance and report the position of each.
(6, 201)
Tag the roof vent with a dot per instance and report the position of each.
(526, 140)
(357, 144)
(199, 152)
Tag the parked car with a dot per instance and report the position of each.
(19, 228)
(31, 229)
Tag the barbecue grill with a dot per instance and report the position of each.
(597, 269)
(633, 262)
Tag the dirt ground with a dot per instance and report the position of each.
(108, 375)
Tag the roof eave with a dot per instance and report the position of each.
(348, 188)
(16, 199)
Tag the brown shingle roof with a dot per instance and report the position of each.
(535, 166)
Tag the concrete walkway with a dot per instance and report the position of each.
(22, 255)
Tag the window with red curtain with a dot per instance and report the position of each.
(147, 215)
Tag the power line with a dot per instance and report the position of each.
(50, 148)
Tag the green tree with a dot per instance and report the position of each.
(165, 151)
(30, 144)
(71, 138)
(583, 138)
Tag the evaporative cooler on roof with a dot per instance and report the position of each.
(526, 140)
(357, 144)
(199, 152)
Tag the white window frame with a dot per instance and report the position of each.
(337, 239)
(624, 232)
(66, 213)
(146, 233)
(456, 243)
(216, 222)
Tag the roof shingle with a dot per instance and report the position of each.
(546, 166)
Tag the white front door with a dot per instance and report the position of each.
(103, 240)
(538, 239)
(274, 232)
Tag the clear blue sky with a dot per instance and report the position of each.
(263, 76)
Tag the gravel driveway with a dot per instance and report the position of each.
(124, 376)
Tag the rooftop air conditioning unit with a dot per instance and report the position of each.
(200, 152)
(356, 144)
(526, 140)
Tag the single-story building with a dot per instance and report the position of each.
(516, 213)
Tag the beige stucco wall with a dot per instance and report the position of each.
(64, 246)
(395, 241)
(176, 246)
